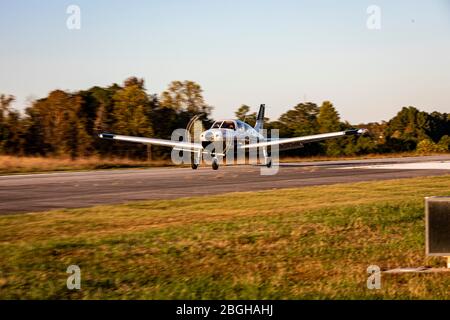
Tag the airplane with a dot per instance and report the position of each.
(243, 136)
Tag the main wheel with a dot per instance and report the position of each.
(194, 164)
(215, 164)
(269, 163)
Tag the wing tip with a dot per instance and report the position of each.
(352, 132)
(106, 135)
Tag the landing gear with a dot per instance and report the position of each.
(215, 164)
(195, 160)
(267, 158)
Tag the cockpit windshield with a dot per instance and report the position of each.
(216, 125)
(228, 125)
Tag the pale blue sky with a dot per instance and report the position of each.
(248, 51)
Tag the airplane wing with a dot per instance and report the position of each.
(179, 145)
(297, 142)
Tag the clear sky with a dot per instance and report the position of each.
(241, 52)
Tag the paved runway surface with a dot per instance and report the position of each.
(38, 192)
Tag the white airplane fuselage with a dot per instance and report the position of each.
(228, 137)
(230, 130)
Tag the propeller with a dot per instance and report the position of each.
(194, 129)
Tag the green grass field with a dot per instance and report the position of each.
(307, 243)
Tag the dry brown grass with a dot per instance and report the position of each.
(12, 164)
(361, 157)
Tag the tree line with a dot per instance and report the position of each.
(66, 124)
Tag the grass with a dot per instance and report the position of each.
(361, 157)
(17, 165)
(307, 243)
(12, 164)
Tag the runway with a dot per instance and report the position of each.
(39, 192)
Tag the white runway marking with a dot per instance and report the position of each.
(434, 165)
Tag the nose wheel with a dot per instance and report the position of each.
(194, 166)
(269, 163)
(215, 164)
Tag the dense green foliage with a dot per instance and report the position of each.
(67, 123)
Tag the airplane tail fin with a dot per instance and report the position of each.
(260, 118)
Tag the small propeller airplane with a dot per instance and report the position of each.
(241, 135)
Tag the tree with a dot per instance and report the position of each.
(13, 143)
(104, 98)
(428, 146)
(66, 123)
(132, 110)
(328, 120)
(33, 131)
(5, 104)
(440, 125)
(9, 127)
(58, 126)
(242, 112)
(98, 107)
(444, 144)
(175, 107)
(301, 120)
(407, 128)
(185, 96)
